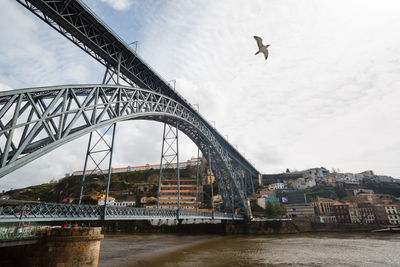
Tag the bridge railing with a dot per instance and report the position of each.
(114, 213)
(11, 212)
(41, 211)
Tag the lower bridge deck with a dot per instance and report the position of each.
(45, 212)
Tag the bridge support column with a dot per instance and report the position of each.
(97, 151)
(170, 155)
(252, 185)
(107, 78)
(197, 180)
(245, 184)
(211, 183)
(241, 178)
(109, 171)
(84, 168)
(74, 246)
(233, 201)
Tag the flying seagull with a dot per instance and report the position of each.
(261, 48)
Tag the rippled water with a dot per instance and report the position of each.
(320, 249)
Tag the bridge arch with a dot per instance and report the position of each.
(35, 121)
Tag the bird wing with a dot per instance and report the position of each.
(265, 54)
(259, 41)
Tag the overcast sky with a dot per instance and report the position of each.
(328, 95)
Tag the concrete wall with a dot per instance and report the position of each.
(62, 247)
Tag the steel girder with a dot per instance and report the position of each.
(36, 121)
(34, 212)
(80, 25)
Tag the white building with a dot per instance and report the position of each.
(301, 183)
(315, 173)
(347, 178)
(276, 186)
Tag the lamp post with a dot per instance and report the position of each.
(135, 43)
(172, 81)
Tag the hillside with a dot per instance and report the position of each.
(123, 186)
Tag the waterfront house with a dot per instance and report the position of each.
(341, 211)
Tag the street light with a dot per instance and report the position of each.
(172, 81)
(135, 43)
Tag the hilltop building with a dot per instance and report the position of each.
(303, 183)
(276, 186)
(280, 177)
(182, 165)
(329, 180)
(315, 173)
(347, 178)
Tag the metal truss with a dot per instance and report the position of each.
(80, 25)
(169, 157)
(35, 212)
(210, 173)
(102, 148)
(246, 181)
(197, 179)
(36, 121)
(98, 151)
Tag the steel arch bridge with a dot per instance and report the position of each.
(37, 120)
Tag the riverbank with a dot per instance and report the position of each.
(298, 225)
(201, 227)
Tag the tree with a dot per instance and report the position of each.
(269, 209)
(281, 209)
(273, 209)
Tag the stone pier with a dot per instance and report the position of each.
(76, 246)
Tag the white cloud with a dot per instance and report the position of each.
(118, 4)
(4, 87)
(329, 63)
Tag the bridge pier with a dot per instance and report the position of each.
(76, 246)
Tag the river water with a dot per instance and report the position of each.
(317, 249)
